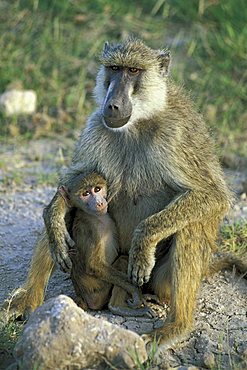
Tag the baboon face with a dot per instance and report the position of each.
(91, 199)
(120, 82)
(87, 193)
(131, 84)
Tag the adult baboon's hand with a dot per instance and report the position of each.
(60, 241)
(141, 256)
(59, 248)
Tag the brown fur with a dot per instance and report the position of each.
(96, 248)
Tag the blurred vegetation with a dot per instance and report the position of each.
(52, 46)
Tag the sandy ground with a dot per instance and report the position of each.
(219, 337)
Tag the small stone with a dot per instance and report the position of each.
(18, 102)
(243, 196)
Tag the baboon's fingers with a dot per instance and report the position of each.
(136, 300)
(72, 252)
(132, 312)
(140, 275)
(144, 312)
(149, 312)
(151, 298)
(62, 259)
(7, 315)
(70, 242)
(60, 253)
(141, 261)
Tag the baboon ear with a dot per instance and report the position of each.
(64, 191)
(106, 47)
(164, 59)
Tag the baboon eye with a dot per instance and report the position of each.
(97, 189)
(114, 68)
(86, 193)
(134, 70)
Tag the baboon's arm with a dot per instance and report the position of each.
(188, 208)
(115, 277)
(59, 239)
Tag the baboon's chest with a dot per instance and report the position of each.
(107, 236)
(128, 212)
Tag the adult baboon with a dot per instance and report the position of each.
(155, 152)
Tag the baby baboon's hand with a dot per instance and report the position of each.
(141, 257)
(59, 247)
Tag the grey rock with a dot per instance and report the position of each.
(60, 334)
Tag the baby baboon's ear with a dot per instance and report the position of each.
(164, 59)
(64, 192)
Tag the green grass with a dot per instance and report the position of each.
(153, 347)
(234, 237)
(9, 335)
(53, 47)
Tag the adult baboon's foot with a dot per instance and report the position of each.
(132, 312)
(166, 336)
(19, 305)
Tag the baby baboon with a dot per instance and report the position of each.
(159, 161)
(96, 248)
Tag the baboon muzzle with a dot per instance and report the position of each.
(117, 107)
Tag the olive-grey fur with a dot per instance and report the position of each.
(165, 180)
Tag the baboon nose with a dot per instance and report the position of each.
(113, 107)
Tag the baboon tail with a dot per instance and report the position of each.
(228, 262)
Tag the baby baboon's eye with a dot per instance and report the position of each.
(86, 193)
(97, 189)
(114, 68)
(134, 70)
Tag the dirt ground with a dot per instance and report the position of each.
(219, 337)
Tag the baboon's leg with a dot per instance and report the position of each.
(112, 275)
(25, 299)
(188, 258)
(81, 303)
(91, 292)
(118, 302)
